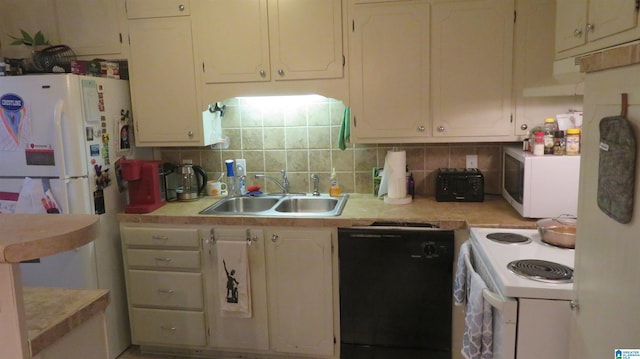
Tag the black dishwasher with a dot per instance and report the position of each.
(395, 291)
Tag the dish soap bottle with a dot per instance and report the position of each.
(334, 187)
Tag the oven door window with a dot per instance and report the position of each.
(514, 177)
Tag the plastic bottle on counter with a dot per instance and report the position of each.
(334, 187)
(559, 144)
(573, 142)
(538, 143)
(550, 128)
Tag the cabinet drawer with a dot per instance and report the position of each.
(168, 327)
(163, 259)
(165, 289)
(139, 9)
(161, 237)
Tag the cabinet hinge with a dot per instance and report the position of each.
(515, 15)
(203, 67)
(637, 5)
(355, 121)
(120, 35)
(353, 25)
(344, 60)
(511, 118)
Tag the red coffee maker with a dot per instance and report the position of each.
(143, 177)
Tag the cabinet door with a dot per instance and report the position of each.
(232, 40)
(571, 19)
(229, 330)
(91, 27)
(609, 17)
(299, 282)
(163, 87)
(305, 39)
(389, 74)
(139, 9)
(471, 68)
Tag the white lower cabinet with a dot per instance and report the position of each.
(299, 279)
(175, 291)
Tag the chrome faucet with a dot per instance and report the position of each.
(316, 181)
(284, 185)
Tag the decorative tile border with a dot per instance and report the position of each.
(625, 55)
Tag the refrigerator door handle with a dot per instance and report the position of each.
(57, 124)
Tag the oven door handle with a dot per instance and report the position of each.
(507, 306)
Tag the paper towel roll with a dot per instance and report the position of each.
(395, 165)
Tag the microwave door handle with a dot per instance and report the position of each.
(509, 307)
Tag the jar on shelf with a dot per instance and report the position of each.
(550, 127)
(573, 142)
(559, 143)
(538, 143)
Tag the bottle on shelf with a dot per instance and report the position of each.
(550, 127)
(334, 187)
(538, 143)
(573, 142)
(559, 143)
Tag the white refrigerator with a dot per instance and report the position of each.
(61, 136)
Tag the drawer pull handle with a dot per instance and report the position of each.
(164, 327)
(166, 259)
(159, 237)
(169, 291)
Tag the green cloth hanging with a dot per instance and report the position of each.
(345, 129)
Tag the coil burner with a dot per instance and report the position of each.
(508, 238)
(542, 271)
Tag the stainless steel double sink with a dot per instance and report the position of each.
(290, 205)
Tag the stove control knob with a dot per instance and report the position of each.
(574, 304)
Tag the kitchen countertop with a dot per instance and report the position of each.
(52, 313)
(361, 210)
(30, 236)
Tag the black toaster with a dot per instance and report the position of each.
(459, 185)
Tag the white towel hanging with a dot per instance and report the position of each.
(234, 283)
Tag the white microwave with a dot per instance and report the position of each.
(540, 186)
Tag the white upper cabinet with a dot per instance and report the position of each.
(389, 73)
(265, 40)
(587, 25)
(163, 84)
(91, 27)
(472, 50)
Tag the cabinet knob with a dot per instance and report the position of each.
(274, 238)
(577, 33)
(574, 304)
(440, 128)
(263, 74)
(281, 72)
(190, 134)
(181, 7)
(590, 28)
(421, 128)
(524, 126)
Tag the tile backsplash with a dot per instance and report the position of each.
(302, 138)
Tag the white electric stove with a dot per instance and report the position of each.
(497, 254)
(528, 309)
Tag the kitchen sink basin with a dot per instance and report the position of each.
(307, 205)
(298, 205)
(245, 204)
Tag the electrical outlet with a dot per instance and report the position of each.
(472, 161)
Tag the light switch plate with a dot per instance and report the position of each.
(472, 161)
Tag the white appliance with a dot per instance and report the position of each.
(540, 186)
(531, 317)
(63, 131)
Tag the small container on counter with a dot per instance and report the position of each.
(538, 143)
(559, 144)
(550, 127)
(573, 142)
